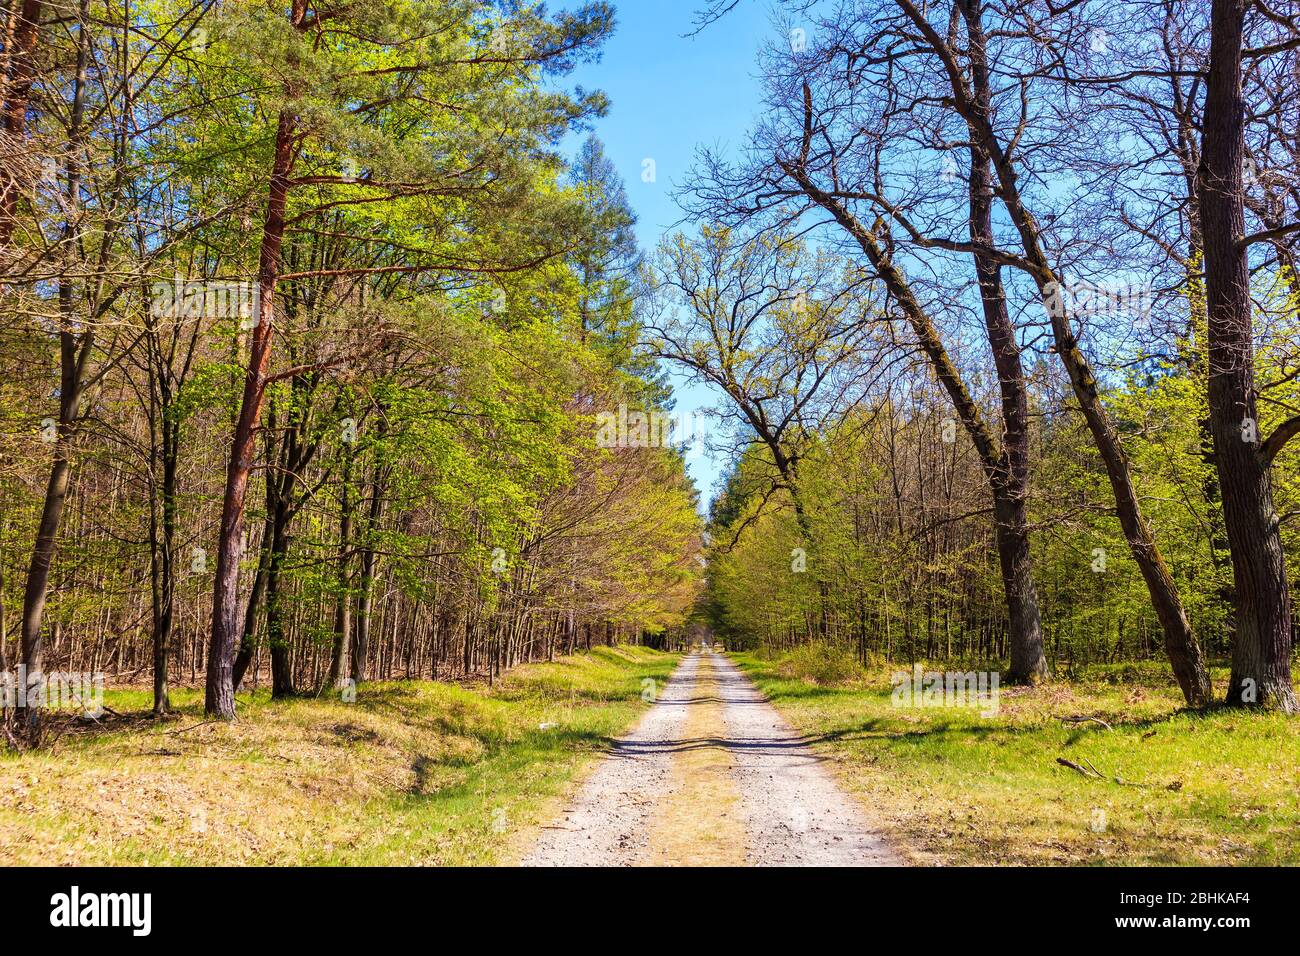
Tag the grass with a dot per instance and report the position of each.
(411, 773)
(1220, 787)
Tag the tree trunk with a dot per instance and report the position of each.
(1027, 661)
(38, 573)
(165, 557)
(74, 359)
(369, 566)
(1261, 652)
(1009, 476)
(220, 696)
(341, 656)
(282, 684)
(17, 94)
(248, 639)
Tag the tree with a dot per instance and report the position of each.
(778, 330)
(969, 97)
(79, 245)
(814, 148)
(376, 61)
(23, 31)
(1261, 657)
(421, 395)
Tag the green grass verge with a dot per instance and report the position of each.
(411, 773)
(952, 787)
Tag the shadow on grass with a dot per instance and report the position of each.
(779, 689)
(426, 788)
(936, 726)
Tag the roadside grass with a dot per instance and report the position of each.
(1220, 787)
(411, 773)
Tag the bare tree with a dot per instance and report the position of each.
(785, 334)
(816, 155)
(969, 95)
(1261, 657)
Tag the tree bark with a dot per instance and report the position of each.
(1261, 652)
(220, 695)
(341, 654)
(369, 569)
(282, 683)
(248, 640)
(17, 94)
(164, 556)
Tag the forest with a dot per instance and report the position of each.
(303, 350)
(337, 371)
(1004, 297)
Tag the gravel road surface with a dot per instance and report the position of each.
(712, 775)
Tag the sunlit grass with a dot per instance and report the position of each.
(1219, 787)
(411, 773)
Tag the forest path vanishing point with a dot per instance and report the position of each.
(712, 775)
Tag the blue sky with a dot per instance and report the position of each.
(670, 93)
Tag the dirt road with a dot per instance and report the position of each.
(711, 776)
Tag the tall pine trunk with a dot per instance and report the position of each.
(17, 95)
(220, 696)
